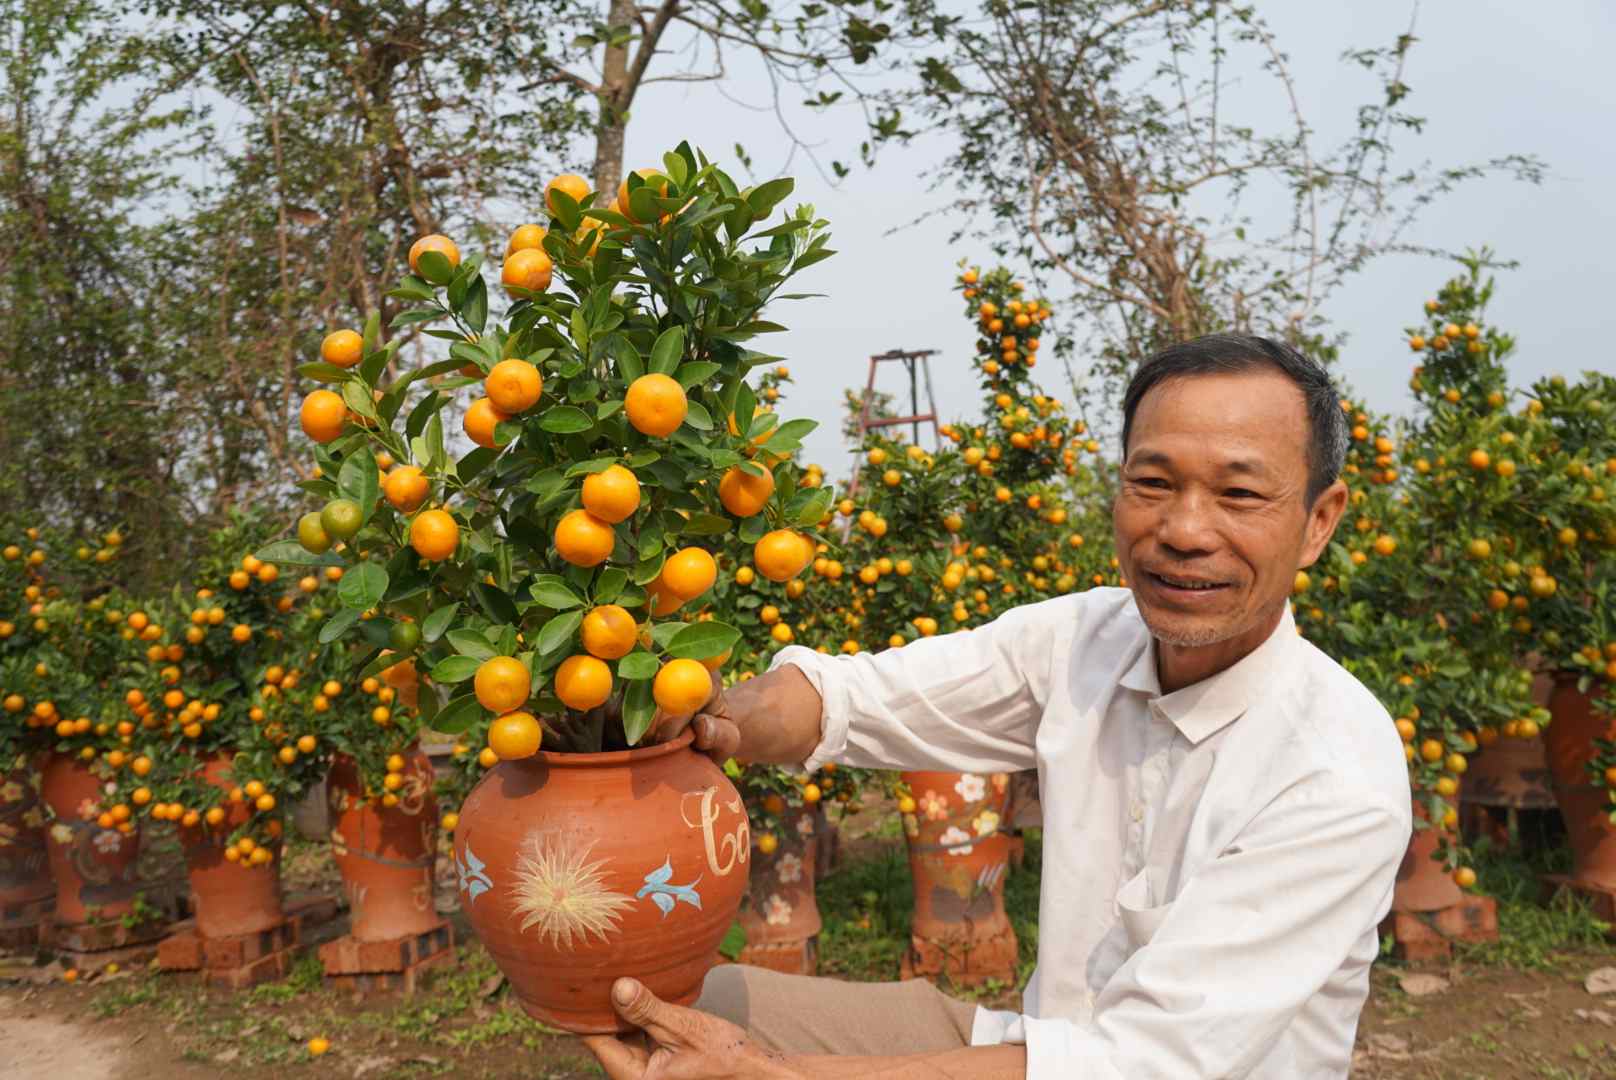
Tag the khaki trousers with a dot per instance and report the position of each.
(798, 1014)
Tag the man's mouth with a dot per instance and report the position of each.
(1185, 583)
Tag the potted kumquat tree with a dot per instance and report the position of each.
(617, 445)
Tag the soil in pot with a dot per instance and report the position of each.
(385, 854)
(229, 898)
(575, 869)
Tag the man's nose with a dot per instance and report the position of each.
(1187, 525)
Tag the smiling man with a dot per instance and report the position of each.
(1225, 808)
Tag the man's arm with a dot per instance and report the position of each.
(967, 701)
(969, 1063)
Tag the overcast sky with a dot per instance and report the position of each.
(1492, 77)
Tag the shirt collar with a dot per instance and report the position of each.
(1201, 709)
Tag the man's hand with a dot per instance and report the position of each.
(683, 1044)
(716, 733)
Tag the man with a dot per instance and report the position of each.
(1225, 808)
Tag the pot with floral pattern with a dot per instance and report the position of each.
(780, 914)
(958, 855)
(229, 896)
(93, 867)
(575, 869)
(385, 854)
(25, 880)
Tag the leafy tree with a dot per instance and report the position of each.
(1095, 142)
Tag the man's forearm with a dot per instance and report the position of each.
(778, 716)
(1005, 1062)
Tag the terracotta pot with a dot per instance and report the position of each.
(25, 880)
(780, 913)
(1511, 772)
(94, 868)
(1569, 743)
(575, 869)
(958, 855)
(1424, 883)
(386, 855)
(229, 898)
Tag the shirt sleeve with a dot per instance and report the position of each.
(962, 702)
(1233, 958)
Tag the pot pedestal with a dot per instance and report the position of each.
(780, 914)
(1427, 937)
(240, 961)
(387, 856)
(958, 855)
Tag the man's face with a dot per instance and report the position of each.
(1212, 520)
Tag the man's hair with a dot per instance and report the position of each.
(1220, 354)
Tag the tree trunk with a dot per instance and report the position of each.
(613, 102)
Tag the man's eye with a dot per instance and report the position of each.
(1150, 481)
(1242, 493)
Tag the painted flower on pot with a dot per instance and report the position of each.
(934, 806)
(956, 840)
(664, 894)
(805, 825)
(776, 911)
(986, 823)
(62, 834)
(971, 787)
(471, 876)
(1000, 782)
(10, 791)
(107, 841)
(788, 868)
(33, 818)
(562, 895)
(89, 809)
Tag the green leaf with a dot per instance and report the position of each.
(495, 603)
(701, 524)
(697, 371)
(639, 709)
(703, 640)
(558, 631)
(322, 371)
(471, 643)
(734, 942)
(362, 587)
(669, 347)
(815, 508)
(554, 592)
(662, 633)
(565, 420)
(338, 625)
(454, 669)
(696, 416)
(433, 626)
(610, 584)
(458, 715)
(435, 267)
(629, 365)
(594, 465)
(766, 196)
(638, 664)
(356, 395)
(475, 309)
(360, 480)
(292, 553)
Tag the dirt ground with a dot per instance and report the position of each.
(1466, 1020)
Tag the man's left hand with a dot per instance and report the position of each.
(679, 1044)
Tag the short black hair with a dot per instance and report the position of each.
(1220, 354)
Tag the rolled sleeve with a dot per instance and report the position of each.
(966, 702)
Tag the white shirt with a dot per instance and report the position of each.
(1216, 860)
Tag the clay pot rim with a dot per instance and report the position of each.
(561, 760)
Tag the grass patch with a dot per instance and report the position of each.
(1530, 934)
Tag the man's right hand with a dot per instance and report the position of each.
(716, 732)
(773, 719)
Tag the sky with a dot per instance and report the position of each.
(1491, 76)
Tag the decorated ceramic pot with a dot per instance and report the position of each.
(959, 854)
(94, 868)
(385, 853)
(576, 869)
(229, 898)
(25, 879)
(780, 914)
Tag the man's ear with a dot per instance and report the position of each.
(1322, 518)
